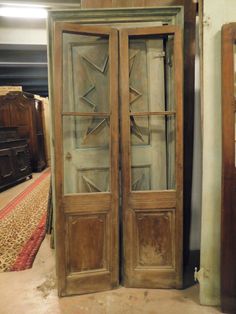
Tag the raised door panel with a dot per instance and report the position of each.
(155, 238)
(87, 154)
(151, 95)
(87, 251)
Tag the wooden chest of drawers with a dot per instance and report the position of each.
(14, 158)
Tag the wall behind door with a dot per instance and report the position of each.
(216, 13)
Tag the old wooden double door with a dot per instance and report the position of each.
(118, 157)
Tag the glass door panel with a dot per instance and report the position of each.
(153, 139)
(151, 91)
(150, 71)
(87, 72)
(86, 117)
(86, 146)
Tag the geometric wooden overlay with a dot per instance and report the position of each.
(93, 180)
(137, 87)
(91, 76)
(138, 83)
(91, 89)
(86, 243)
(155, 232)
(141, 178)
(159, 153)
(89, 132)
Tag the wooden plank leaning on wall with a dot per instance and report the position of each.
(228, 214)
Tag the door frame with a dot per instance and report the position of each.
(55, 45)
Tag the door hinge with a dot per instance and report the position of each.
(201, 274)
(160, 54)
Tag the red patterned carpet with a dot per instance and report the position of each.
(23, 225)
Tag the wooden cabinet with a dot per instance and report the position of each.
(14, 158)
(118, 153)
(22, 110)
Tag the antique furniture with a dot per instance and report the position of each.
(228, 217)
(22, 110)
(14, 158)
(88, 182)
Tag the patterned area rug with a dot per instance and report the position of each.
(23, 225)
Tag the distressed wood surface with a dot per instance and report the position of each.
(228, 211)
(70, 283)
(190, 11)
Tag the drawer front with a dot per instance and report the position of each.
(21, 156)
(7, 172)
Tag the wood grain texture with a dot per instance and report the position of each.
(91, 202)
(154, 239)
(86, 114)
(228, 212)
(148, 113)
(86, 249)
(178, 88)
(115, 142)
(151, 199)
(85, 4)
(60, 221)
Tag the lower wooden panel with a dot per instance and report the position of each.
(153, 279)
(88, 283)
(89, 253)
(87, 243)
(152, 260)
(155, 239)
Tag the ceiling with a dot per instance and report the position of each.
(26, 66)
(23, 49)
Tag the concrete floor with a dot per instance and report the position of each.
(33, 291)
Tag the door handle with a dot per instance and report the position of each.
(68, 156)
